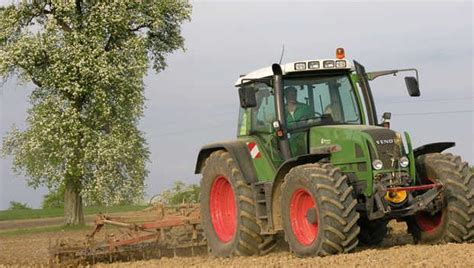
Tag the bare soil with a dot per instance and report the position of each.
(396, 250)
(31, 249)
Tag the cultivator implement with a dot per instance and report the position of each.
(155, 232)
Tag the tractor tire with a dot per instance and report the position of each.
(455, 221)
(228, 209)
(318, 211)
(372, 233)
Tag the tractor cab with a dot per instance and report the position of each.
(314, 93)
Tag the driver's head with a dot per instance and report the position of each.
(290, 94)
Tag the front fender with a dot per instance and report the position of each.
(430, 148)
(296, 161)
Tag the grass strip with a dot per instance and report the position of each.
(46, 229)
(23, 214)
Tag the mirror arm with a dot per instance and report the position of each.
(373, 75)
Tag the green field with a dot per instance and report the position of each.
(23, 214)
(46, 229)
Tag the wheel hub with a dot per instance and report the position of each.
(311, 216)
(426, 221)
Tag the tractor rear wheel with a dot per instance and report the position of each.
(455, 221)
(228, 209)
(318, 211)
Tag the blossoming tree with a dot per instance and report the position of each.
(87, 61)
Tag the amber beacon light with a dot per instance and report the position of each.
(340, 54)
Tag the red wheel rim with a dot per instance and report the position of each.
(304, 231)
(425, 221)
(222, 209)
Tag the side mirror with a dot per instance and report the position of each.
(247, 97)
(386, 119)
(386, 116)
(412, 86)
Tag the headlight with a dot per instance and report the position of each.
(377, 164)
(404, 161)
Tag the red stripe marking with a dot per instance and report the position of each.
(250, 145)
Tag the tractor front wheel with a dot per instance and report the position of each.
(228, 209)
(455, 221)
(318, 211)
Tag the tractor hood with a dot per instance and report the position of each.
(359, 143)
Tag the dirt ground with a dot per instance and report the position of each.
(31, 249)
(396, 250)
(453, 255)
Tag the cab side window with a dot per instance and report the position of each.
(264, 114)
(348, 102)
(322, 98)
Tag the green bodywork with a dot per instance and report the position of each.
(346, 137)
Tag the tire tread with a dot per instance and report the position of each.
(456, 175)
(338, 217)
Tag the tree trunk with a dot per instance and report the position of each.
(73, 213)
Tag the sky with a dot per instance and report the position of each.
(193, 102)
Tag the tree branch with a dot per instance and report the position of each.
(141, 26)
(28, 72)
(108, 43)
(63, 25)
(61, 22)
(36, 82)
(110, 39)
(79, 7)
(79, 12)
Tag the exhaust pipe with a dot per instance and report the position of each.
(283, 143)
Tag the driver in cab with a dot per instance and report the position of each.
(295, 111)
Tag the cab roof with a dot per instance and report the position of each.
(299, 66)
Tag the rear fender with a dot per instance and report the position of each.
(239, 152)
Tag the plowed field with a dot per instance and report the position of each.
(397, 250)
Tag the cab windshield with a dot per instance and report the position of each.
(320, 101)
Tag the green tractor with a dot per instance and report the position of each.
(312, 163)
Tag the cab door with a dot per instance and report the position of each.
(256, 127)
